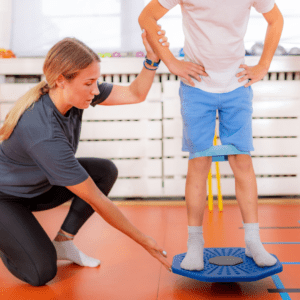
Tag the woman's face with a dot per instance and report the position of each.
(82, 89)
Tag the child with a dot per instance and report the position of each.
(214, 31)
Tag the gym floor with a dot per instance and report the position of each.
(128, 272)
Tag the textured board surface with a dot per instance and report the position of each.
(247, 271)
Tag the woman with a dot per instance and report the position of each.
(39, 171)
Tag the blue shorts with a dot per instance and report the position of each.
(198, 110)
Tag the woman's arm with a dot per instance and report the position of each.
(89, 192)
(138, 90)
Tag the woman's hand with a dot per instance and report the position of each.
(90, 193)
(150, 53)
(255, 73)
(151, 246)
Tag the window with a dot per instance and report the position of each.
(257, 26)
(39, 26)
(290, 36)
(112, 25)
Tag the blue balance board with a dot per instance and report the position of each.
(243, 268)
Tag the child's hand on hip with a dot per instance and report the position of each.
(254, 74)
(187, 70)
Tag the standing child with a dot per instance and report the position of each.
(214, 31)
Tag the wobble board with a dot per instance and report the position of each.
(242, 272)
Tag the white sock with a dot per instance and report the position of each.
(254, 247)
(194, 257)
(247, 251)
(66, 250)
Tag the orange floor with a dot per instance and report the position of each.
(128, 272)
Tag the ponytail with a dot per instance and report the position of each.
(19, 108)
(67, 57)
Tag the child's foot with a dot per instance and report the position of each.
(247, 252)
(194, 257)
(254, 247)
(261, 257)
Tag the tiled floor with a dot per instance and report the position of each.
(128, 272)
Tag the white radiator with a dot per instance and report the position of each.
(276, 128)
(144, 140)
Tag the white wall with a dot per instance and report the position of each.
(130, 27)
(5, 23)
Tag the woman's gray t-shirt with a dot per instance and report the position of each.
(41, 150)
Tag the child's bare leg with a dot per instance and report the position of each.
(246, 195)
(245, 186)
(195, 196)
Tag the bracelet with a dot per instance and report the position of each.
(148, 68)
(152, 63)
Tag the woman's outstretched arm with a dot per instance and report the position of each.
(89, 192)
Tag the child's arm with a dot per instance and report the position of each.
(274, 30)
(148, 21)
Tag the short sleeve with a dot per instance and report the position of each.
(168, 4)
(263, 6)
(56, 160)
(104, 91)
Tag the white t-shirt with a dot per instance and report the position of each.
(214, 33)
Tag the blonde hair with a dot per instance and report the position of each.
(67, 57)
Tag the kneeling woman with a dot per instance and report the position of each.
(39, 171)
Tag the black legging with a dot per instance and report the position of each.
(25, 248)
